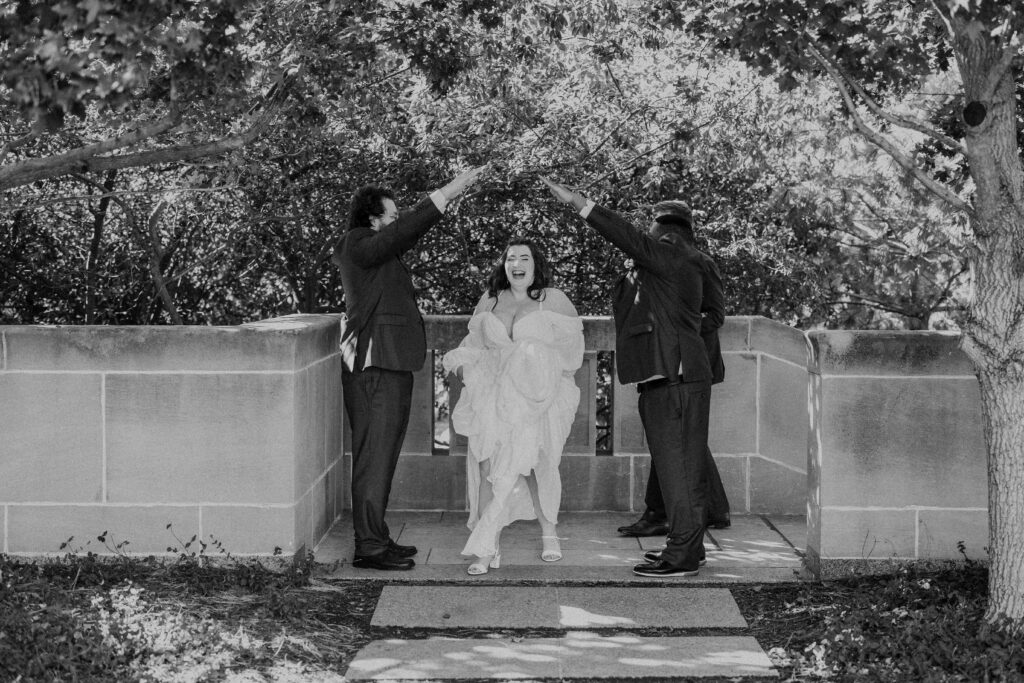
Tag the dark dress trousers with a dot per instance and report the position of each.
(657, 308)
(383, 342)
(712, 318)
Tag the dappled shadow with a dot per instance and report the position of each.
(581, 653)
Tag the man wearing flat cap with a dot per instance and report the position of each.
(658, 346)
(654, 521)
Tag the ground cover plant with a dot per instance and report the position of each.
(199, 617)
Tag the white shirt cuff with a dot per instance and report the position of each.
(585, 211)
(439, 200)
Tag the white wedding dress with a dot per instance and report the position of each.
(516, 409)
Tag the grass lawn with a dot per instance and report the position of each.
(193, 619)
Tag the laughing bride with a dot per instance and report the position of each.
(524, 345)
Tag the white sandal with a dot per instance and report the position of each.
(551, 554)
(480, 567)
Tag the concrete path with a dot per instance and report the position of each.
(600, 614)
(576, 656)
(759, 549)
(556, 607)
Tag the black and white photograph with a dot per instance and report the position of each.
(511, 340)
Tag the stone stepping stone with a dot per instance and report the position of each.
(577, 655)
(556, 607)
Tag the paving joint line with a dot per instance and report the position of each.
(799, 553)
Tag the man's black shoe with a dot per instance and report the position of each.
(655, 555)
(721, 523)
(402, 550)
(644, 527)
(662, 568)
(386, 561)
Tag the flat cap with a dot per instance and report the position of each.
(674, 211)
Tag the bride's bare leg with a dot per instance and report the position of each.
(486, 495)
(552, 549)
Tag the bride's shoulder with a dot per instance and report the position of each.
(556, 301)
(485, 304)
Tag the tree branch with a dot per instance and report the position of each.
(871, 303)
(18, 142)
(632, 161)
(629, 163)
(903, 121)
(405, 68)
(615, 81)
(30, 170)
(879, 140)
(947, 19)
(153, 245)
(155, 257)
(614, 130)
(1000, 68)
(96, 249)
(119, 193)
(87, 158)
(201, 262)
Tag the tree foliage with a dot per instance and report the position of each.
(877, 55)
(619, 101)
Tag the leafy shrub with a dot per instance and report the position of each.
(42, 635)
(911, 626)
(90, 617)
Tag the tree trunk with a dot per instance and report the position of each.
(992, 339)
(96, 249)
(156, 258)
(1002, 404)
(994, 334)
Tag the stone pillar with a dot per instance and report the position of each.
(896, 453)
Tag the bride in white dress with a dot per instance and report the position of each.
(524, 345)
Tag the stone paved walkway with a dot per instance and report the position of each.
(755, 549)
(597, 617)
(576, 656)
(556, 607)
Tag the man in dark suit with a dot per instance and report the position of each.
(654, 521)
(657, 308)
(383, 342)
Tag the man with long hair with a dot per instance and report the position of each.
(383, 343)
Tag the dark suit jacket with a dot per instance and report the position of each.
(657, 307)
(382, 318)
(712, 309)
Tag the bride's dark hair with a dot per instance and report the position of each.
(498, 280)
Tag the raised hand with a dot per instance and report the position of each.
(459, 183)
(564, 194)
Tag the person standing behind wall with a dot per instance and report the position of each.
(654, 521)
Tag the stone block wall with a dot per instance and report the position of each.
(227, 433)
(758, 427)
(235, 434)
(896, 452)
(757, 415)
